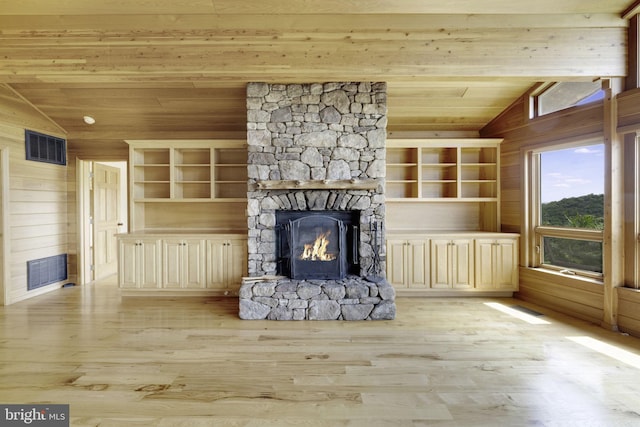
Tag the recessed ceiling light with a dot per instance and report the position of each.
(89, 120)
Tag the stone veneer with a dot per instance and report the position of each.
(352, 298)
(320, 134)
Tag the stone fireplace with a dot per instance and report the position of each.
(316, 168)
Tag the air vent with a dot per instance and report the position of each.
(44, 271)
(45, 148)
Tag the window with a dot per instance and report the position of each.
(558, 96)
(567, 214)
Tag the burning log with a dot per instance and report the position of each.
(317, 251)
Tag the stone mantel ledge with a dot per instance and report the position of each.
(326, 184)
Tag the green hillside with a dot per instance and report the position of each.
(582, 212)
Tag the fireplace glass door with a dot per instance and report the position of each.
(317, 245)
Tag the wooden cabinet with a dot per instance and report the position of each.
(173, 183)
(496, 264)
(446, 192)
(226, 263)
(408, 263)
(402, 172)
(452, 263)
(183, 263)
(183, 195)
(162, 262)
(449, 184)
(139, 263)
(188, 170)
(479, 172)
(455, 263)
(453, 169)
(229, 173)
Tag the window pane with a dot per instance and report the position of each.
(573, 254)
(567, 94)
(572, 187)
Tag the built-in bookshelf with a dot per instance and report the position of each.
(230, 172)
(192, 173)
(459, 179)
(187, 184)
(151, 173)
(439, 172)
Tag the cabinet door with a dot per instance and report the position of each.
(496, 264)
(216, 264)
(183, 263)
(417, 255)
(485, 263)
(128, 268)
(462, 262)
(172, 263)
(193, 261)
(506, 268)
(441, 263)
(396, 263)
(236, 262)
(149, 259)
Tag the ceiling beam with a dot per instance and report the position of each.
(631, 10)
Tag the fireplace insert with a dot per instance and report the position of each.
(317, 244)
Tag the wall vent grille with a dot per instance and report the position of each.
(44, 271)
(45, 148)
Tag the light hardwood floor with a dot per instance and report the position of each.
(193, 362)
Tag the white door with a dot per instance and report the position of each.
(106, 199)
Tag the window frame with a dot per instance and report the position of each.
(541, 89)
(536, 231)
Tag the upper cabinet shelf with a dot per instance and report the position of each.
(443, 169)
(187, 170)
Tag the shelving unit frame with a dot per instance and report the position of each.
(186, 184)
(460, 176)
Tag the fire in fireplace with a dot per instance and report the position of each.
(317, 251)
(317, 244)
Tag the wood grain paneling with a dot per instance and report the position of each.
(37, 213)
(628, 111)
(450, 66)
(629, 310)
(579, 298)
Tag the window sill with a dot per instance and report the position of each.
(630, 290)
(562, 277)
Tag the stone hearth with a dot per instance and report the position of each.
(352, 298)
(316, 147)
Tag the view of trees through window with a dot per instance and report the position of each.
(572, 198)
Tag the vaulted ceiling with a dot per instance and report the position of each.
(158, 69)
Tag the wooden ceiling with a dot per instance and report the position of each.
(159, 69)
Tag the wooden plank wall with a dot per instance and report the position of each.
(629, 310)
(628, 111)
(38, 211)
(580, 298)
(629, 299)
